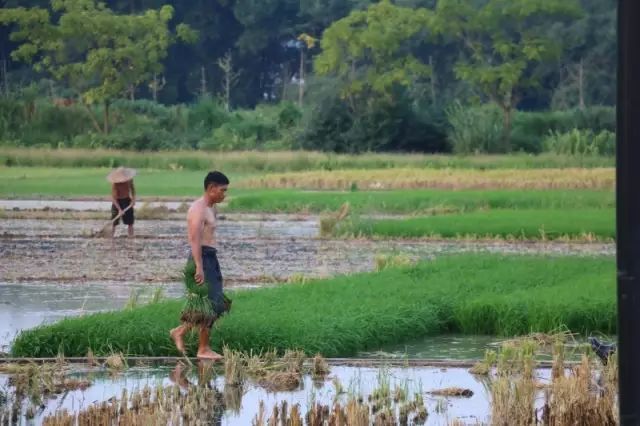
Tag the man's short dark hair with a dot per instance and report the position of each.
(215, 178)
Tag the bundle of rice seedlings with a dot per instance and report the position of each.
(320, 367)
(483, 368)
(197, 309)
(357, 413)
(234, 373)
(318, 415)
(514, 390)
(233, 397)
(293, 360)
(384, 261)
(115, 361)
(280, 381)
(453, 391)
(328, 224)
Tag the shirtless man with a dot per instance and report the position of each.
(201, 223)
(123, 198)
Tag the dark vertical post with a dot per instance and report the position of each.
(628, 209)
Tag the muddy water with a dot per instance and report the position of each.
(356, 380)
(25, 306)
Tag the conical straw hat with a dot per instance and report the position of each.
(121, 174)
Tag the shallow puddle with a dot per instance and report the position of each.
(437, 347)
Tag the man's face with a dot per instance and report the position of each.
(217, 193)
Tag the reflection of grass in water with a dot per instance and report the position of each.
(468, 294)
(505, 224)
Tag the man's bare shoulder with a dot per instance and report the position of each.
(196, 209)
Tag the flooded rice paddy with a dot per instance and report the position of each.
(341, 384)
(55, 267)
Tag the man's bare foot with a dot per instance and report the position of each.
(176, 335)
(209, 354)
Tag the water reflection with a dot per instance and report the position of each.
(240, 405)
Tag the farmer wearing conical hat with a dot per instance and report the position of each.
(205, 301)
(123, 197)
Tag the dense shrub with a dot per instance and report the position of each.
(380, 125)
(479, 129)
(474, 130)
(531, 128)
(328, 123)
(581, 142)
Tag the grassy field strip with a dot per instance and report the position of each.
(87, 182)
(28, 182)
(415, 178)
(256, 161)
(472, 294)
(416, 201)
(543, 224)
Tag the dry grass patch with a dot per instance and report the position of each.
(417, 178)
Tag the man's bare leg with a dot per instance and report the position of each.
(113, 231)
(177, 334)
(204, 351)
(178, 376)
(130, 231)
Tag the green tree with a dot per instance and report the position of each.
(369, 50)
(504, 43)
(369, 63)
(590, 56)
(98, 53)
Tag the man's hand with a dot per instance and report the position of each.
(199, 275)
(120, 211)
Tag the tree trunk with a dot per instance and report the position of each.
(432, 81)
(106, 118)
(94, 120)
(301, 78)
(203, 82)
(285, 81)
(581, 104)
(227, 89)
(154, 88)
(506, 128)
(5, 81)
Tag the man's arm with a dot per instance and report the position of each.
(195, 226)
(114, 198)
(133, 194)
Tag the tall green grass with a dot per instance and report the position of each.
(521, 224)
(416, 201)
(472, 294)
(255, 161)
(91, 182)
